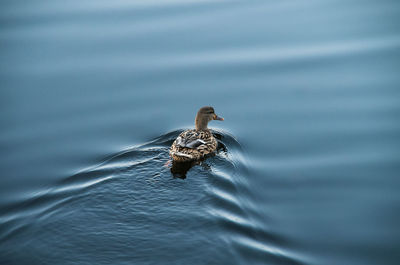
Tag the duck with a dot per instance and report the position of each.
(196, 144)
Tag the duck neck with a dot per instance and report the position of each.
(201, 123)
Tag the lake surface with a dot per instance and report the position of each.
(94, 92)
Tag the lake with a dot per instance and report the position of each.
(93, 93)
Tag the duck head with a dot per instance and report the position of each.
(204, 115)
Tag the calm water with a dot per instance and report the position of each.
(94, 92)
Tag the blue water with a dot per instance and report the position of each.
(92, 94)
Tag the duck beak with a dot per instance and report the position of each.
(218, 118)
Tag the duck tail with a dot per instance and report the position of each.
(181, 154)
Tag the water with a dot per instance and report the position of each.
(94, 92)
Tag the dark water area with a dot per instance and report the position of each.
(93, 93)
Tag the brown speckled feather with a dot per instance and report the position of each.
(193, 145)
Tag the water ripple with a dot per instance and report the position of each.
(227, 57)
(140, 168)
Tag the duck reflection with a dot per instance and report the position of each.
(179, 169)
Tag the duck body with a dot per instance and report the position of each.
(195, 144)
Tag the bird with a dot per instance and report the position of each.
(196, 144)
